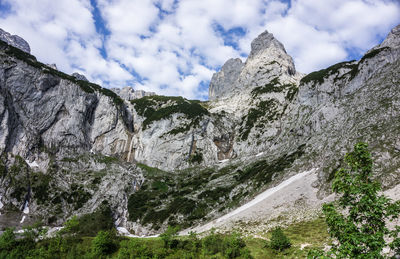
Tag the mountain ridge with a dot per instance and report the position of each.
(68, 145)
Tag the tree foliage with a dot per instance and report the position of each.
(357, 219)
(103, 243)
(279, 241)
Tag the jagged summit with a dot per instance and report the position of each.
(264, 41)
(267, 60)
(15, 40)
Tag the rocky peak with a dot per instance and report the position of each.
(15, 40)
(267, 61)
(264, 41)
(223, 81)
(266, 49)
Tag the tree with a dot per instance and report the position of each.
(168, 237)
(103, 243)
(357, 219)
(279, 241)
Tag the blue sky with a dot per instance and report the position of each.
(173, 47)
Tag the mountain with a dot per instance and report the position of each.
(69, 147)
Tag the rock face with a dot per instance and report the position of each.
(392, 40)
(128, 93)
(225, 80)
(266, 122)
(15, 40)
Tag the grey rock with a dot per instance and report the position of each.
(15, 40)
(128, 93)
(267, 60)
(392, 40)
(80, 77)
(53, 66)
(224, 81)
(264, 41)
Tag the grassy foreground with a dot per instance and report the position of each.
(106, 244)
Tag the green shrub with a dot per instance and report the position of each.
(265, 111)
(212, 244)
(71, 225)
(134, 248)
(196, 158)
(90, 224)
(40, 184)
(318, 76)
(7, 240)
(229, 246)
(233, 245)
(33, 232)
(155, 108)
(279, 241)
(168, 237)
(103, 243)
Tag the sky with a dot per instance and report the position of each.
(173, 47)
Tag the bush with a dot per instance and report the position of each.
(229, 246)
(90, 224)
(134, 248)
(212, 244)
(103, 243)
(168, 237)
(279, 241)
(71, 225)
(7, 240)
(233, 245)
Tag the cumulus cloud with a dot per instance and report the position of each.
(173, 47)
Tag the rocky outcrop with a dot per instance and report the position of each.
(79, 77)
(15, 40)
(127, 93)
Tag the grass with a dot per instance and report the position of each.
(76, 241)
(313, 232)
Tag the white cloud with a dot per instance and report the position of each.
(129, 17)
(63, 32)
(173, 47)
